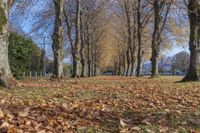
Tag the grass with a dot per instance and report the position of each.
(98, 104)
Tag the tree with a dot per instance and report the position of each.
(82, 48)
(24, 55)
(76, 46)
(58, 43)
(181, 62)
(93, 23)
(125, 27)
(5, 72)
(161, 11)
(164, 63)
(194, 43)
(143, 17)
(129, 47)
(73, 31)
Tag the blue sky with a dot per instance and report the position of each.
(176, 49)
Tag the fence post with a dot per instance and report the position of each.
(30, 74)
(40, 74)
(36, 74)
(24, 74)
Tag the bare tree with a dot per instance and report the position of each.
(92, 24)
(74, 33)
(161, 11)
(144, 14)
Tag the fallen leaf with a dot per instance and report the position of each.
(24, 113)
(1, 114)
(122, 123)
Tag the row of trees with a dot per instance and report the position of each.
(83, 25)
(146, 27)
(177, 64)
(79, 24)
(144, 23)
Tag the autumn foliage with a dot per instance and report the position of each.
(101, 104)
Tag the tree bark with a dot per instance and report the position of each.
(88, 54)
(58, 44)
(155, 40)
(119, 65)
(139, 37)
(92, 60)
(128, 63)
(95, 62)
(95, 66)
(132, 73)
(82, 49)
(76, 47)
(124, 65)
(194, 44)
(133, 58)
(5, 72)
(126, 4)
(82, 62)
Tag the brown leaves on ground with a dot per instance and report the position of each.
(102, 105)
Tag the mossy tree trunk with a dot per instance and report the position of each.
(194, 44)
(5, 72)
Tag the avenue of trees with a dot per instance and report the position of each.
(104, 34)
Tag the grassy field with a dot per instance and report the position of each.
(101, 105)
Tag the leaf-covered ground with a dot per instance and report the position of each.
(101, 105)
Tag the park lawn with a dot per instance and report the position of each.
(101, 105)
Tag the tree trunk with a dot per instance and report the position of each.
(58, 44)
(161, 8)
(194, 44)
(5, 72)
(88, 58)
(92, 60)
(132, 73)
(95, 62)
(75, 66)
(119, 66)
(155, 40)
(154, 67)
(124, 66)
(133, 58)
(128, 62)
(95, 66)
(76, 46)
(82, 50)
(133, 46)
(82, 63)
(139, 62)
(139, 37)
(126, 4)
